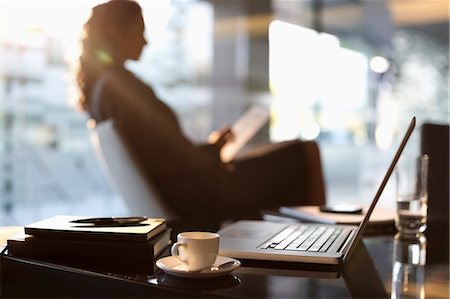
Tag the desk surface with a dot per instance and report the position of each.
(369, 274)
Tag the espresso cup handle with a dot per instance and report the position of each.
(175, 251)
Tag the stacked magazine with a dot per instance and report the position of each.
(105, 248)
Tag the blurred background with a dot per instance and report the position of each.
(349, 74)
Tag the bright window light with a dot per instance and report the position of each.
(308, 69)
(379, 64)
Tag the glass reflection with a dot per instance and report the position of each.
(408, 272)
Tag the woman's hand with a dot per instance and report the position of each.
(221, 136)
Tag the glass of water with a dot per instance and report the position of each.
(412, 194)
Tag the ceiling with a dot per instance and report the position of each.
(402, 12)
(416, 12)
(347, 15)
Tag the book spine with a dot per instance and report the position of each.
(92, 235)
(42, 247)
(79, 251)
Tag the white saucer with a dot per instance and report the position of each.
(173, 266)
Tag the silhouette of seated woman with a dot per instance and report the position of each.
(190, 177)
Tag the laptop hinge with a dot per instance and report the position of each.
(347, 241)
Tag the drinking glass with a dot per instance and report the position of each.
(412, 195)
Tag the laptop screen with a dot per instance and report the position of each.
(365, 221)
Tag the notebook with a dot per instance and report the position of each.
(381, 222)
(380, 216)
(301, 242)
(25, 245)
(61, 227)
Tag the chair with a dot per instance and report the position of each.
(127, 177)
(316, 177)
(434, 141)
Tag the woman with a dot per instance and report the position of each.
(190, 177)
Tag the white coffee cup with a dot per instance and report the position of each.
(197, 250)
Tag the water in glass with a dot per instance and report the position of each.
(412, 214)
(412, 195)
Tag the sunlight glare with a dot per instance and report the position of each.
(310, 131)
(58, 20)
(311, 70)
(379, 64)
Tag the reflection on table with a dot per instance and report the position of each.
(380, 265)
(408, 271)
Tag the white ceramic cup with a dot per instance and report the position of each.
(197, 250)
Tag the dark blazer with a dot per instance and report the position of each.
(192, 177)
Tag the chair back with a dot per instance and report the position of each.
(435, 140)
(435, 143)
(125, 174)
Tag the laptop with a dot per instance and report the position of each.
(301, 242)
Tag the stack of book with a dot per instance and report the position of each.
(113, 248)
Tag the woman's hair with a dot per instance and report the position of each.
(99, 42)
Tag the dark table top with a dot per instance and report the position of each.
(367, 274)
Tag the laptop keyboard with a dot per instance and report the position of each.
(303, 238)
